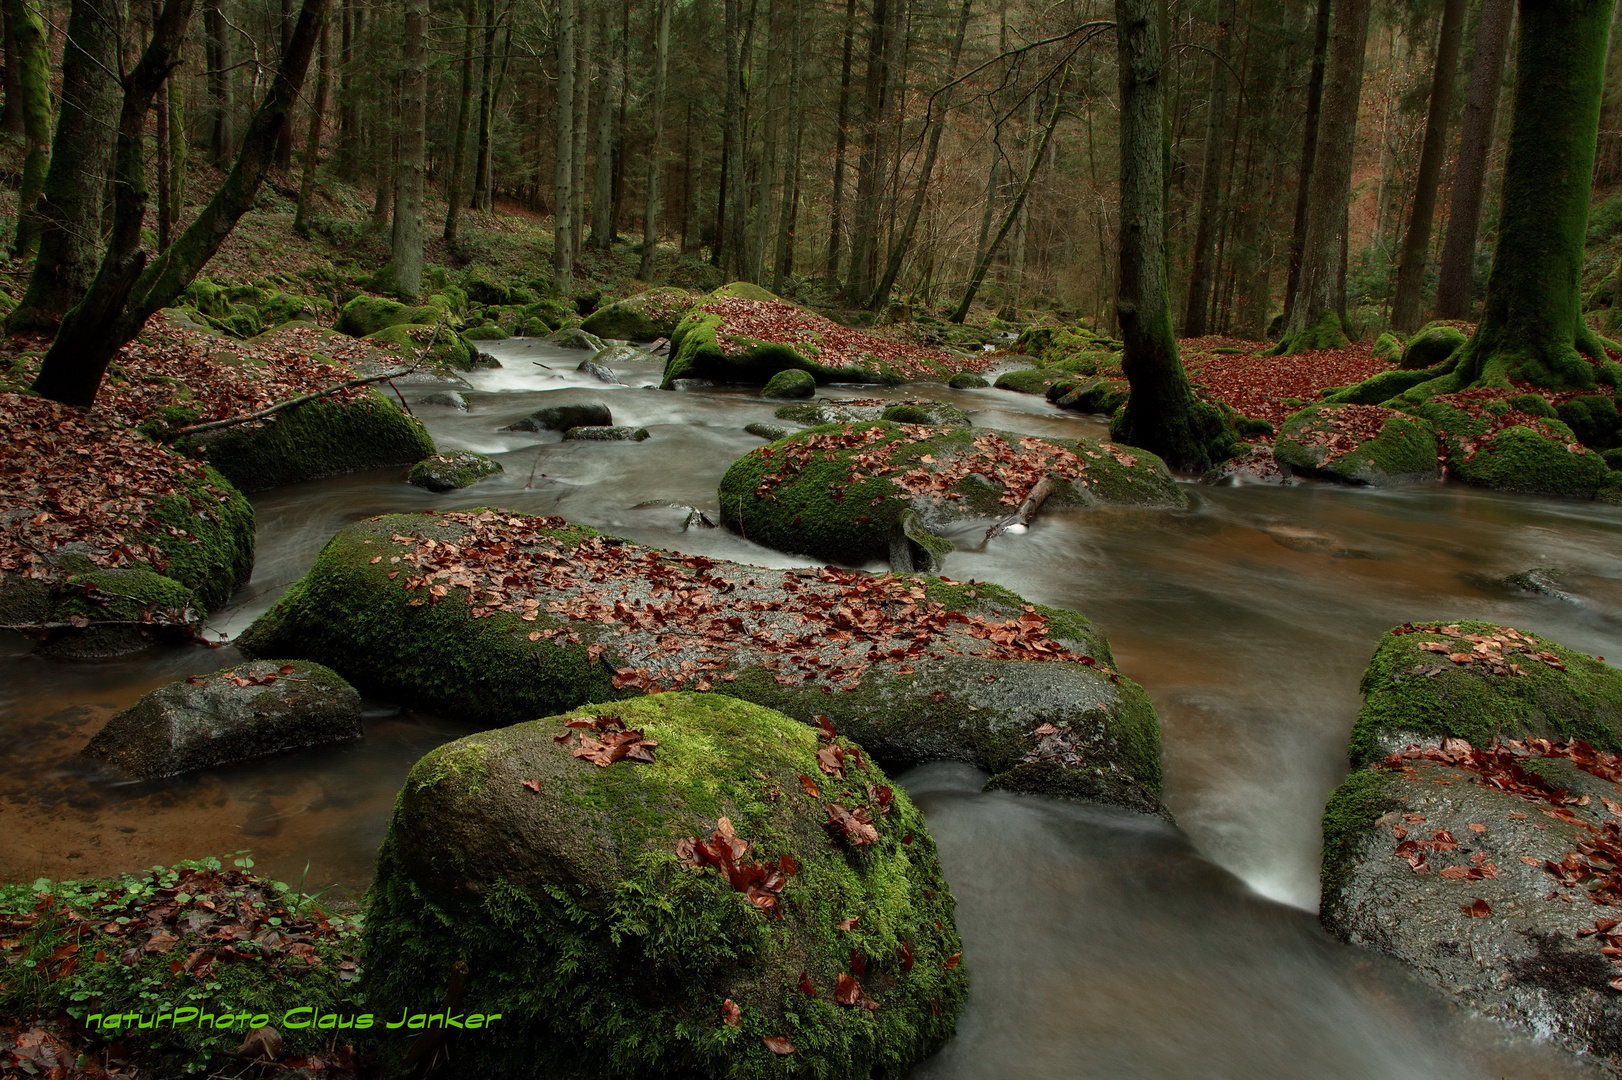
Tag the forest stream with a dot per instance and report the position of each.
(1100, 942)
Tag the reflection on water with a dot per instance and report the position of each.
(1101, 944)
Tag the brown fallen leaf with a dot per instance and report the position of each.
(847, 924)
(1477, 827)
(810, 786)
(847, 991)
(777, 1045)
(1477, 910)
(731, 1015)
(264, 1043)
(806, 987)
(953, 961)
(533, 785)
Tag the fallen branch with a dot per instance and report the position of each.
(1027, 509)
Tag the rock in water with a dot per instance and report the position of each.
(770, 432)
(452, 469)
(695, 891)
(789, 384)
(1255, 466)
(1358, 444)
(576, 338)
(600, 372)
(964, 380)
(252, 710)
(643, 317)
(1482, 829)
(605, 434)
(450, 399)
(564, 417)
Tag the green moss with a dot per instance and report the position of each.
(1388, 347)
(1464, 701)
(790, 383)
(606, 957)
(963, 380)
(1592, 418)
(366, 315)
(1350, 813)
(1029, 381)
(697, 352)
(1520, 459)
(1101, 395)
(1434, 343)
(1403, 451)
(483, 286)
(1326, 333)
(215, 552)
(1534, 404)
(452, 470)
(321, 438)
(643, 317)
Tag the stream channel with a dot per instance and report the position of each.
(1100, 943)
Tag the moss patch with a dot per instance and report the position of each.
(1333, 442)
(643, 317)
(1349, 815)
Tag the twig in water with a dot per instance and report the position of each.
(1027, 509)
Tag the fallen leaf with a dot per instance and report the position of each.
(533, 785)
(731, 1015)
(777, 1045)
(847, 990)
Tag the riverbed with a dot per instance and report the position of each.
(1100, 943)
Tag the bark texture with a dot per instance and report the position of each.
(34, 76)
(402, 274)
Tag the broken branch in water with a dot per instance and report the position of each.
(1027, 510)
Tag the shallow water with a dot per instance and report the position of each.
(1102, 943)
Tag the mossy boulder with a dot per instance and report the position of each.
(932, 413)
(1099, 395)
(1358, 444)
(236, 714)
(790, 384)
(366, 315)
(564, 417)
(576, 338)
(1492, 444)
(1433, 343)
(1509, 684)
(560, 884)
(965, 380)
(1029, 380)
(773, 432)
(483, 286)
(1592, 418)
(597, 433)
(452, 469)
(1388, 347)
(321, 438)
(913, 668)
(643, 317)
(1065, 346)
(864, 491)
(449, 349)
(486, 331)
(706, 344)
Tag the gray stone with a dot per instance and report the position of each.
(452, 469)
(770, 432)
(252, 710)
(448, 398)
(576, 338)
(596, 433)
(564, 417)
(1255, 466)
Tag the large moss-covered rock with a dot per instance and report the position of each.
(1358, 444)
(366, 315)
(966, 380)
(1433, 343)
(1069, 348)
(643, 317)
(848, 492)
(1388, 347)
(1030, 380)
(1102, 394)
(576, 338)
(1592, 418)
(562, 886)
(483, 286)
(249, 711)
(1503, 683)
(1491, 443)
(452, 469)
(434, 347)
(318, 439)
(790, 383)
(913, 668)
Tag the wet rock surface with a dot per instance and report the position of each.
(1257, 465)
(452, 469)
(605, 434)
(564, 417)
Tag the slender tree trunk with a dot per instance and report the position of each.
(1405, 308)
(1314, 321)
(123, 294)
(563, 176)
(402, 275)
(783, 260)
(984, 264)
(1309, 151)
(732, 246)
(1162, 414)
(495, 98)
(1457, 283)
(661, 64)
(348, 120)
(220, 144)
(312, 139)
(464, 118)
(1216, 121)
(1532, 328)
(842, 119)
(582, 106)
(69, 209)
(161, 138)
(179, 144)
(11, 115)
(617, 207)
(602, 195)
(34, 73)
(988, 212)
(284, 142)
(870, 166)
(940, 106)
(765, 163)
(487, 74)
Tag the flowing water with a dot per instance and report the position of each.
(1102, 943)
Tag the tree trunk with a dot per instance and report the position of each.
(220, 144)
(870, 166)
(402, 275)
(1162, 415)
(161, 137)
(11, 115)
(783, 258)
(69, 208)
(602, 194)
(582, 106)
(1405, 308)
(123, 295)
(348, 114)
(487, 73)
(941, 104)
(1309, 151)
(1314, 321)
(1216, 122)
(765, 162)
(1532, 329)
(179, 143)
(733, 245)
(563, 174)
(34, 73)
(284, 142)
(312, 139)
(843, 118)
(650, 217)
(464, 118)
(1457, 283)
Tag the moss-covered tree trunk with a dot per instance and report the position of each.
(221, 141)
(1309, 149)
(841, 121)
(74, 185)
(312, 139)
(402, 274)
(126, 290)
(1313, 321)
(1532, 328)
(602, 187)
(464, 117)
(563, 176)
(1162, 415)
(1406, 307)
(34, 74)
(1216, 124)
(1456, 286)
(661, 65)
(487, 78)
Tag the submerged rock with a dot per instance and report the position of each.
(600, 372)
(509, 851)
(770, 432)
(564, 417)
(1256, 465)
(965, 380)
(1358, 444)
(576, 338)
(914, 668)
(790, 383)
(592, 433)
(452, 469)
(836, 411)
(249, 711)
(844, 493)
(643, 317)
(450, 399)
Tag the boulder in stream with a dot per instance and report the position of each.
(564, 417)
(696, 891)
(576, 338)
(770, 432)
(1498, 444)
(856, 492)
(847, 410)
(450, 399)
(1480, 839)
(1358, 444)
(643, 317)
(789, 384)
(452, 469)
(967, 380)
(601, 372)
(249, 711)
(1256, 465)
(914, 668)
(594, 433)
